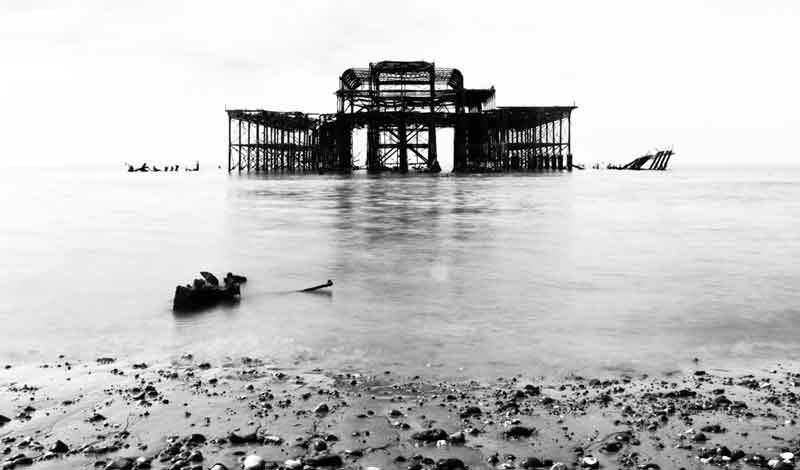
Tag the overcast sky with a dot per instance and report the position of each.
(109, 82)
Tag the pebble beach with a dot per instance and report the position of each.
(243, 413)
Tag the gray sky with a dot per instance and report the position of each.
(132, 81)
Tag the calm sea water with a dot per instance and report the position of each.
(456, 276)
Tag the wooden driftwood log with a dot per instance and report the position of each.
(321, 286)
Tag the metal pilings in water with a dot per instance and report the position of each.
(401, 104)
(514, 139)
(261, 140)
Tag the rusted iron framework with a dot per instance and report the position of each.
(401, 104)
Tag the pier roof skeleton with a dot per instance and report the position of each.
(355, 77)
(281, 120)
(401, 104)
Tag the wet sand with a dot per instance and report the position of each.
(193, 414)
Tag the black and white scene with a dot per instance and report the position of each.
(399, 235)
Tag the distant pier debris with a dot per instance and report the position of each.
(651, 161)
(154, 169)
(401, 104)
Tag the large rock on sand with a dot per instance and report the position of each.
(430, 435)
(253, 462)
(331, 460)
(122, 463)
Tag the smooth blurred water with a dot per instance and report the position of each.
(458, 276)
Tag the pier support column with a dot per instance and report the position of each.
(258, 147)
(249, 145)
(373, 143)
(459, 145)
(229, 142)
(292, 150)
(560, 155)
(282, 150)
(403, 149)
(239, 147)
(344, 157)
(569, 141)
(433, 159)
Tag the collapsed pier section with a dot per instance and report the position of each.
(401, 104)
(657, 162)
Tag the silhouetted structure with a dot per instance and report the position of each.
(400, 104)
(657, 161)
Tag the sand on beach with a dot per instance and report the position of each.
(188, 413)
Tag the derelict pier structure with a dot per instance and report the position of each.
(401, 104)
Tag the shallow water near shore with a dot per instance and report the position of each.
(465, 276)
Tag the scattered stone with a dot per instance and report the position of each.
(722, 401)
(589, 462)
(612, 446)
(59, 447)
(430, 435)
(666, 404)
(194, 439)
(293, 463)
(253, 462)
(457, 438)
(121, 463)
(776, 464)
(17, 460)
(713, 428)
(532, 462)
(319, 446)
(234, 438)
(450, 464)
(470, 411)
(516, 432)
(331, 460)
(271, 439)
(179, 464)
(321, 408)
